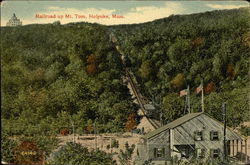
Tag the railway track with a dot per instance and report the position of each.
(137, 94)
(140, 100)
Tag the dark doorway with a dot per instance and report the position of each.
(187, 151)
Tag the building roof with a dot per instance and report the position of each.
(149, 106)
(173, 124)
(14, 16)
(181, 121)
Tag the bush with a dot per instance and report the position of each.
(76, 154)
(7, 148)
(245, 130)
(64, 132)
(28, 153)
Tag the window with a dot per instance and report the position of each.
(184, 152)
(159, 152)
(200, 152)
(198, 135)
(215, 153)
(214, 135)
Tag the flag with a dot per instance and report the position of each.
(183, 92)
(198, 89)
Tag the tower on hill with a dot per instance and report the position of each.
(14, 21)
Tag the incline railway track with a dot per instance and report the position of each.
(140, 100)
(135, 90)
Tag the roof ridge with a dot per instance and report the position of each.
(173, 124)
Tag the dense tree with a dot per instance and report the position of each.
(28, 153)
(74, 153)
(125, 157)
(168, 54)
(59, 77)
(131, 123)
(7, 148)
(146, 69)
(178, 81)
(77, 70)
(173, 106)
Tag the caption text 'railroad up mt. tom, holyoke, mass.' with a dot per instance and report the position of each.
(78, 16)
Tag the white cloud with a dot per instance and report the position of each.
(149, 13)
(218, 6)
(134, 15)
(54, 8)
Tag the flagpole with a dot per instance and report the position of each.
(202, 97)
(188, 100)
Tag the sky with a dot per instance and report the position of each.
(129, 11)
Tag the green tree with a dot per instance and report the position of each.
(178, 81)
(125, 157)
(7, 148)
(146, 69)
(74, 153)
(173, 106)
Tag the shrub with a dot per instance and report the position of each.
(64, 132)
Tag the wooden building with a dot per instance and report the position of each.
(195, 135)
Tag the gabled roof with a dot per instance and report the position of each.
(172, 124)
(181, 121)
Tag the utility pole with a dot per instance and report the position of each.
(225, 128)
(161, 121)
(110, 145)
(95, 136)
(72, 123)
(202, 96)
(188, 95)
(186, 102)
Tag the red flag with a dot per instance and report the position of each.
(183, 92)
(198, 89)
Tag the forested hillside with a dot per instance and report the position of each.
(64, 78)
(54, 77)
(169, 54)
(51, 71)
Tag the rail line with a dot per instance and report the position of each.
(140, 101)
(134, 88)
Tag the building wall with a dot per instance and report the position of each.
(142, 153)
(14, 23)
(161, 140)
(184, 134)
(182, 137)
